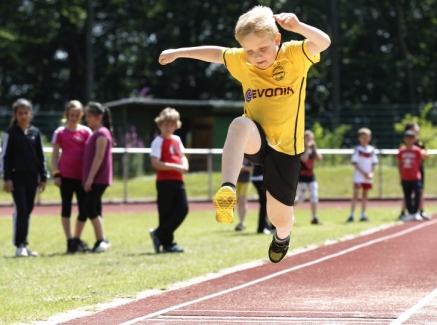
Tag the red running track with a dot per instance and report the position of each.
(387, 277)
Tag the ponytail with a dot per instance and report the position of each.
(96, 108)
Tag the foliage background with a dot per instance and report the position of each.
(384, 51)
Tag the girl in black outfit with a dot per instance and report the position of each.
(24, 170)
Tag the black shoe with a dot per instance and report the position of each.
(364, 219)
(82, 246)
(350, 219)
(278, 251)
(155, 241)
(315, 221)
(172, 249)
(71, 246)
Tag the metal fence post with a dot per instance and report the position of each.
(209, 168)
(380, 186)
(124, 161)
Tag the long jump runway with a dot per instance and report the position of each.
(387, 277)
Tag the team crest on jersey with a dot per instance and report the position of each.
(278, 73)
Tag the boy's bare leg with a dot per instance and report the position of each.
(354, 200)
(243, 137)
(282, 218)
(364, 204)
(280, 215)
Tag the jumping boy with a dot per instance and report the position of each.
(271, 130)
(364, 160)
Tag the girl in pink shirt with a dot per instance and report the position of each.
(68, 168)
(97, 172)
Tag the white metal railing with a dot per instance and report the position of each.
(216, 151)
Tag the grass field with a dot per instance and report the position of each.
(36, 288)
(334, 182)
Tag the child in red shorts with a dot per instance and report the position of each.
(364, 160)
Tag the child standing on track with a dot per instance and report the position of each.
(68, 168)
(24, 170)
(169, 160)
(364, 160)
(97, 168)
(271, 130)
(419, 143)
(410, 159)
(307, 179)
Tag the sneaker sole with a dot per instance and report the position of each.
(224, 202)
(276, 257)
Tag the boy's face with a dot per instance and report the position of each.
(409, 141)
(364, 138)
(167, 128)
(261, 50)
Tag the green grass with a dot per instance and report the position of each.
(334, 182)
(36, 288)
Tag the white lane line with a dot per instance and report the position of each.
(269, 320)
(273, 275)
(410, 312)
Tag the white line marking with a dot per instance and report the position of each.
(273, 275)
(410, 312)
(269, 320)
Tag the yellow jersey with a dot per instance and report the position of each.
(275, 97)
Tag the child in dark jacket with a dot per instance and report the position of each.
(24, 170)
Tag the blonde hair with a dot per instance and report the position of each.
(310, 133)
(364, 131)
(259, 21)
(169, 115)
(72, 105)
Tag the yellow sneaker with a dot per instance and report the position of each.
(224, 202)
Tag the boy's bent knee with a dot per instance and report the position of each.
(242, 122)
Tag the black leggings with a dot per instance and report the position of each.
(410, 187)
(172, 209)
(70, 186)
(24, 196)
(93, 201)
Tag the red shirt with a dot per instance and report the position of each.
(171, 151)
(409, 163)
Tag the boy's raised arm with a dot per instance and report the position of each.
(205, 53)
(318, 41)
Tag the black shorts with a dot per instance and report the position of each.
(280, 171)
